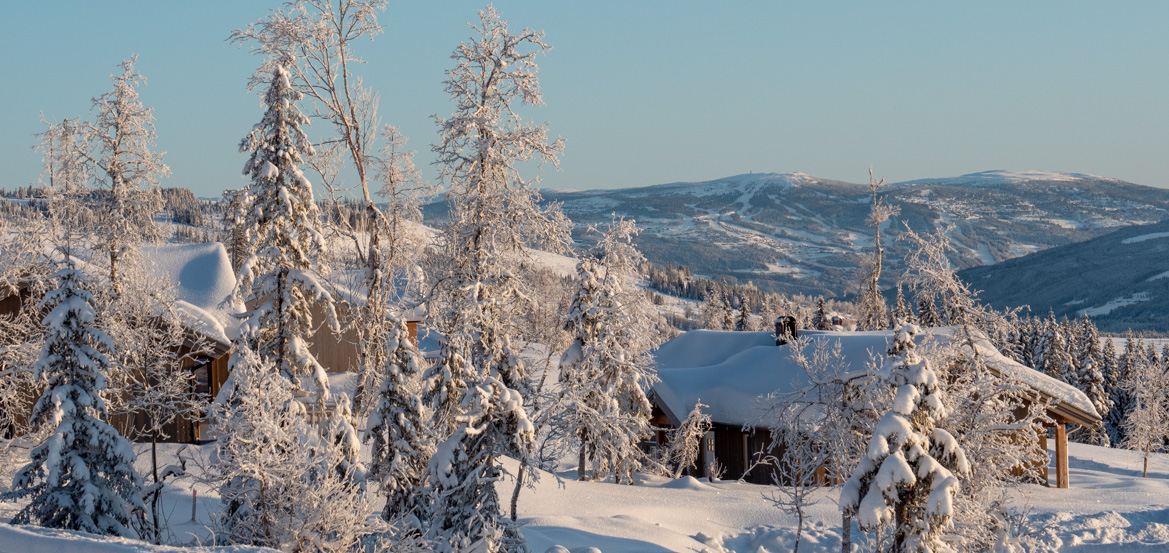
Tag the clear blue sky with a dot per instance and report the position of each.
(648, 92)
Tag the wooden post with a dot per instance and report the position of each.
(1061, 455)
(1043, 447)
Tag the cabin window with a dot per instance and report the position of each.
(202, 372)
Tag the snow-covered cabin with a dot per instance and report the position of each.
(733, 372)
(203, 280)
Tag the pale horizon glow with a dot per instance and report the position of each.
(654, 92)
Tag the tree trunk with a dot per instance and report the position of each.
(158, 491)
(899, 523)
(515, 493)
(580, 462)
(799, 528)
(845, 533)
(1145, 473)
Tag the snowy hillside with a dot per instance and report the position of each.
(1119, 279)
(799, 233)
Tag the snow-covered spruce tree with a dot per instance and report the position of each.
(910, 475)
(82, 477)
(402, 442)
(686, 440)
(743, 316)
(872, 314)
(607, 368)
(714, 306)
(278, 281)
(576, 374)
(1058, 362)
(927, 311)
(494, 215)
(467, 514)
(1110, 368)
(284, 240)
(820, 318)
(1090, 379)
(901, 309)
(1124, 370)
(119, 140)
(727, 321)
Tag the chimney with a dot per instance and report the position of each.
(785, 329)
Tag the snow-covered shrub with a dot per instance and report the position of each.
(995, 420)
(686, 440)
(277, 479)
(23, 283)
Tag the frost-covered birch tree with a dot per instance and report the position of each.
(400, 274)
(1146, 425)
(494, 215)
(822, 426)
(82, 477)
(910, 473)
(872, 314)
(63, 154)
(150, 383)
(118, 145)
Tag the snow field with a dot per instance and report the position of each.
(1108, 508)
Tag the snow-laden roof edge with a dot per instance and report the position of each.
(1068, 401)
(732, 371)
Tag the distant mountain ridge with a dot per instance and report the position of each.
(1120, 279)
(797, 233)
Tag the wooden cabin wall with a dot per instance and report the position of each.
(737, 452)
(335, 352)
(187, 429)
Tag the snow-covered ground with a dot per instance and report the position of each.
(1109, 508)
